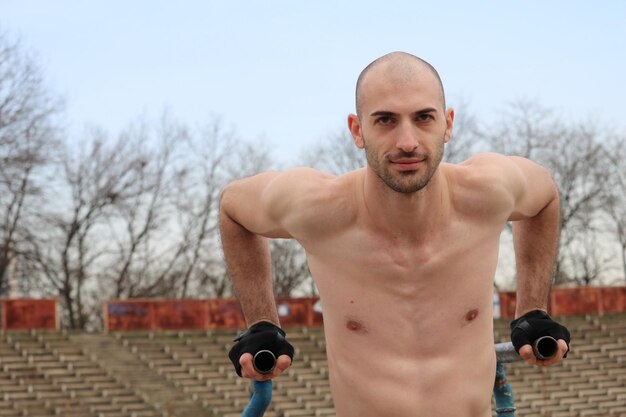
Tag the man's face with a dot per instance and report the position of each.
(403, 128)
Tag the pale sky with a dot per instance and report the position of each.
(284, 71)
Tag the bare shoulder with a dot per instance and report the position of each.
(496, 184)
(483, 169)
(295, 203)
(307, 200)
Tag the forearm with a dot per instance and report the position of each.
(536, 244)
(249, 266)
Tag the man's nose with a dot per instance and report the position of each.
(407, 139)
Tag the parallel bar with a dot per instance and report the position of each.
(505, 353)
(259, 400)
(544, 348)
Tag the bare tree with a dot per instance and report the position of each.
(139, 221)
(28, 137)
(574, 154)
(211, 156)
(614, 197)
(70, 241)
(528, 129)
(467, 137)
(581, 171)
(336, 154)
(166, 240)
(137, 217)
(290, 269)
(212, 150)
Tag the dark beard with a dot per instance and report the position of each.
(405, 182)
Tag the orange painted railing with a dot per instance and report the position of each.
(29, 313)
(155, 314)
(187, 314)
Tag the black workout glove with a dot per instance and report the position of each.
(533, 325)
(261, 336)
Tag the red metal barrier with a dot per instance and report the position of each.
(572, 301)
(299, 311)
(151, 314)
(154, 314)
(29, 313)
(225, 314)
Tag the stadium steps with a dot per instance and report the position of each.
(55, 377)
(197, 364)
(138, 378)
(591, 382)
(186, 371)
(587, 383)
(103, 392)
(171, 373)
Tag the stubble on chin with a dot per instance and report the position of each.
(407, 182)
(404, 182)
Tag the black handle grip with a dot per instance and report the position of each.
(264, 362)
(545, 347)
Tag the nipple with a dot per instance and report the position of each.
(471, 315)
(355, 326)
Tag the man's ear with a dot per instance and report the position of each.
(354, 124)
(449, 122)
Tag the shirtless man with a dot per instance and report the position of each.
(403, 253)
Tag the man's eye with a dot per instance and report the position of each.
(384, 120)
(425, 117)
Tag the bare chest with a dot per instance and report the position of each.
(362, 257)
(376, 281)
(397, 298)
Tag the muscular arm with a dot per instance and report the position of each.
(536, 244)
(249, 267)
(535, 234)
(268, 205)
(536, 221)
(243, 223)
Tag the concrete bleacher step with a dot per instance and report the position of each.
(62, 374)
(617, 411)
(108, 382)
(170, 358)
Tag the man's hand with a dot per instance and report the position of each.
(248, 371)
(261, 336)
(530, 327)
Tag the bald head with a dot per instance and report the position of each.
(394, 67)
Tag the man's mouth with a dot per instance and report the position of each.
(406, 164)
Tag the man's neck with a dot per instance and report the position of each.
(411, 216)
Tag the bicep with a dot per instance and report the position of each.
(532, 186)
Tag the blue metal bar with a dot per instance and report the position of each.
(259, 400)
(502, 391)
(505, 352)
(503, 394)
